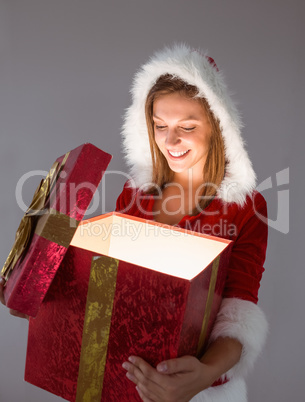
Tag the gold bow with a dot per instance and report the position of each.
(28, 222)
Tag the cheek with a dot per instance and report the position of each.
(203, 141)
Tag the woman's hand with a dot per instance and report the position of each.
(178, 380)
(175, 380)
(12, 312)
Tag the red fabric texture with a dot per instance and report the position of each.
(227, 220)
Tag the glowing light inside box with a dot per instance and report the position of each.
(161, 248)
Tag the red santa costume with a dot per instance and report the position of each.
(233, 214)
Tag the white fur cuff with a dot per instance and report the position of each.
(246, 322)
(233, 391)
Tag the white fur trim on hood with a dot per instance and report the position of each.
(242, 320)
(196, 69)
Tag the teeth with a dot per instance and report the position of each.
(176, 154)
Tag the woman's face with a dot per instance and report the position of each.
(182, 133)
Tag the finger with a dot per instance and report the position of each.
(180, 365)
(128, 366)
(147, 379)
(145, 370)
(135, 374)
(135, 380)
(142, 396)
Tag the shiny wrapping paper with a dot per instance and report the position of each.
(99, 310)
(51, 232)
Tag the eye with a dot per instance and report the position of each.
(188, 128)
(159, 127)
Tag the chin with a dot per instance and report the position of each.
(177, 170)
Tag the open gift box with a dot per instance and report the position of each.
(49, 224)
(126, 286)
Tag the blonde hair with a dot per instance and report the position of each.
(214, 168)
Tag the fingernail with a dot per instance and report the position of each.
(131, 359)
(130, 376)
(162, 367)
(125, 365)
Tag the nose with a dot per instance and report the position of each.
(172, 137)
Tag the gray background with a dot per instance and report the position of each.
(65, 71)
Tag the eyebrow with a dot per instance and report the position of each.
(185, 119)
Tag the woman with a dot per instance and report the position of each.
(190, 169)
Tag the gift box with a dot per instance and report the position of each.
(126, 286)
(49, 224)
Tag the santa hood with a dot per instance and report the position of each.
(196, 69)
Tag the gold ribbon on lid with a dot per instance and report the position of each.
(28, 222)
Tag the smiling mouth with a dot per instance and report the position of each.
(178, 155)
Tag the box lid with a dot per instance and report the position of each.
(49, 224)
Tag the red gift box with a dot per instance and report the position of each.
(126, 286)
(48, 226)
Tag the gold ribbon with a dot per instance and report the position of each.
(208, 306)
(97, 322)
(28, 222)
(56, 227)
